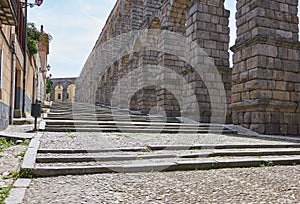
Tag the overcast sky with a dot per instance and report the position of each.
(75, 26)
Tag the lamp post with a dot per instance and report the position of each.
(35, 108)
(25, 5)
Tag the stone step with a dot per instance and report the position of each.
(72, 109)
(171, 147)
(64, 113)
(199, 164)
(137, 130)
(141, 123)
(85, 119)
(130, 126)
(150, 156)
(103, 117)
(61, 112)
(99, 119)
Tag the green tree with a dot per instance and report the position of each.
(34, 36)
(49, 85)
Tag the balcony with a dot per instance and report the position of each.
(8, 12)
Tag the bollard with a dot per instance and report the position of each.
(36, 113)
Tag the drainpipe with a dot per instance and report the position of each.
(13, 70)
(25, 60)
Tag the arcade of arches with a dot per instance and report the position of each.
(63, 90)
(260, 92)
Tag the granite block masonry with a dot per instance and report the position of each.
(132, 66)
(266, 73)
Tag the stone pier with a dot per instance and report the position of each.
(172, 57)
(266, 78)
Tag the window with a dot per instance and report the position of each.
(67, 95)
(59, 96)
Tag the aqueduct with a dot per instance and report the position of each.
(173, 56)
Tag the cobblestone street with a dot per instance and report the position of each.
(241, 185)
(279, 184)
(150, 101)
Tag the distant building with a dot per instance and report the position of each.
(63, 90)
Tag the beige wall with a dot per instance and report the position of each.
(7, 89)
(5, 66)
(71, 93)
(30, 79)
(58, 90)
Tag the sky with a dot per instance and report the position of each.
(75, 26)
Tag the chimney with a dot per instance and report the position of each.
(42, 29)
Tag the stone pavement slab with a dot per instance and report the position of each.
(278, 184)
(16, 136)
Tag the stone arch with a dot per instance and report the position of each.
(152, 92)
(174, 16)
(58, 93)
(60, 86)
(231, 6)
(71, 93)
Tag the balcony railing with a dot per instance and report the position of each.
(8, 12)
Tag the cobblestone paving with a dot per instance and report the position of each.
(10, 158)
(10, 162)
(242, 185)
(113, 140)
(18, 128)
(278, 184)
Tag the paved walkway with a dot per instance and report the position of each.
(11, 158)
(278, 184)
(246, 185)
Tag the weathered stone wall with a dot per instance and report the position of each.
(64, 83)
(146, 71)
(266, 78)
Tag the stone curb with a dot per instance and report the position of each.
(30, 155)
(17, 194)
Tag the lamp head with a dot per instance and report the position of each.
(38, 2)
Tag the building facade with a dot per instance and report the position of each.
(19, 85)
(63, 90)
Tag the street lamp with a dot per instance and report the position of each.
(35, 107)
(48, 67)
(31, 5)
